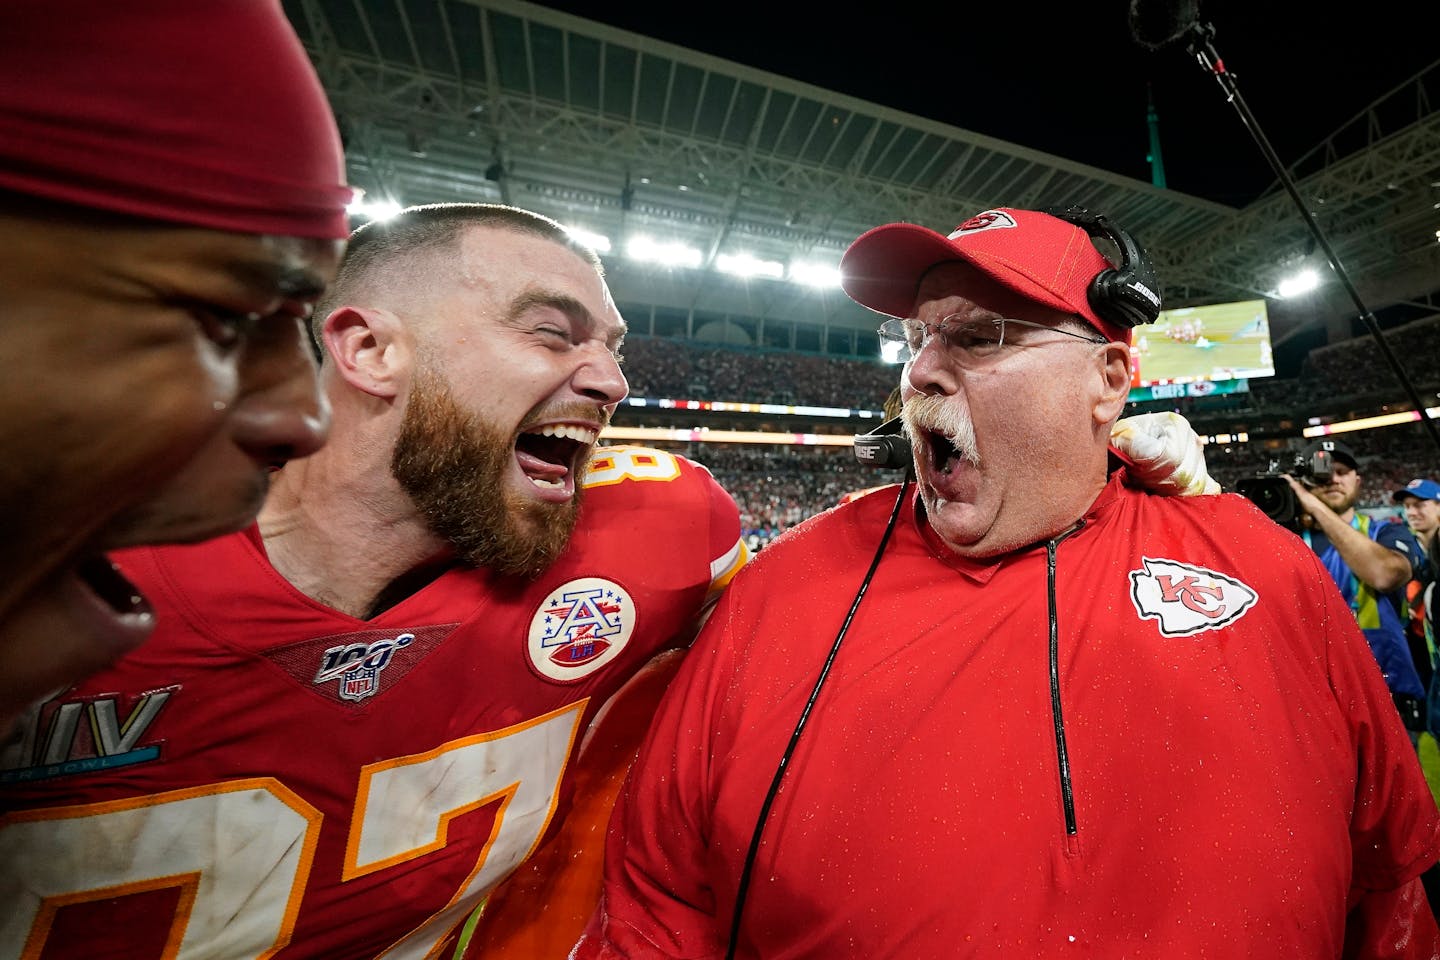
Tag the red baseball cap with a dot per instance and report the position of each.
(205, 113)
(1040, 257)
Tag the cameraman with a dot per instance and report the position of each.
(1371, 562)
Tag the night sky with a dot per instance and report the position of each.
(1071, 81)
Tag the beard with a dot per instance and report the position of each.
(945, 417)
(1340, 501)
(454, 466)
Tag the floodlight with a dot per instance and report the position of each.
(595, 241)
(373, 210)
(744, 265)
(814, 274)
(1299, 283)
(668, 254)
(890, 351)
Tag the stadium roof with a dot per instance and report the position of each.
(626, 136)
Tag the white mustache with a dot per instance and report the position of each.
(937, 415)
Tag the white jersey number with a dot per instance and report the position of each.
(251, 843)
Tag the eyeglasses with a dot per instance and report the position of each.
(969, 342)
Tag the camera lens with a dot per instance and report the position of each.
(1272, 495)
(1268, 500)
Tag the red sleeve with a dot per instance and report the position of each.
(1395, 829)
(656, 901)
(727, 551)
(1392, 925)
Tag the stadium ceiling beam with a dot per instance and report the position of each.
(1376, 208)
(424, 121)
(400, 90)
(851, 201)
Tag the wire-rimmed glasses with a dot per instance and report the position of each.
(970, 342)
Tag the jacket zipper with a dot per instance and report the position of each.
(1067, 793)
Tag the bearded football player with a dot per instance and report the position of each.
(359, 715)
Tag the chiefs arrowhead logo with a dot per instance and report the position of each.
(1187, 599)
(989, 220)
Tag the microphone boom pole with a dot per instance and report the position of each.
(1198, 41)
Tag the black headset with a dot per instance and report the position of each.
(1124, 295)
(1127, 295)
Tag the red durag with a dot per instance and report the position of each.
(199, 112)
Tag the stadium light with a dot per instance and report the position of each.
(814, 274)
(1299, 283)
(373, 210)
(744, 265)
(1369, 423)
(890, 351)
(667, 254)
(595, 241)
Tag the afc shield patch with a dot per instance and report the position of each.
(580, 626)
(1187, 599)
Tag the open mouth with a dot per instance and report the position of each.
(111, 610)
(943, 454)
(552, 455)
(107, 583)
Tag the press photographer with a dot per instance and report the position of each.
(1369, 559)
(1270, 491)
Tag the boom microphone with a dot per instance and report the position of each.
(1155, 23)
(885, 446)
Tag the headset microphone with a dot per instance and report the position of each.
(885, 446)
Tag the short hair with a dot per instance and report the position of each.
(429, 228)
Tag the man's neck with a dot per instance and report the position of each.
(341, 535)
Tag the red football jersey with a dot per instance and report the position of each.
(268, 777)
(1161, 735)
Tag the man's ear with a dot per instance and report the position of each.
(368, 349)
(1114, 383)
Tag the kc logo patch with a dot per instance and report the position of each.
(1186, 599)
(989, 220)
(579, 627)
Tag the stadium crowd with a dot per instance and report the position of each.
(778, 486)
(677, 369)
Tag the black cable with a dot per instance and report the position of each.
(744, 886)
(1199, 44)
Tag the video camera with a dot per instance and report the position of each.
(1269, 491)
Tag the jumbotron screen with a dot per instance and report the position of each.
(1222, 341)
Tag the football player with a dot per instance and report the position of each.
(164, 240)
(359, 715)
